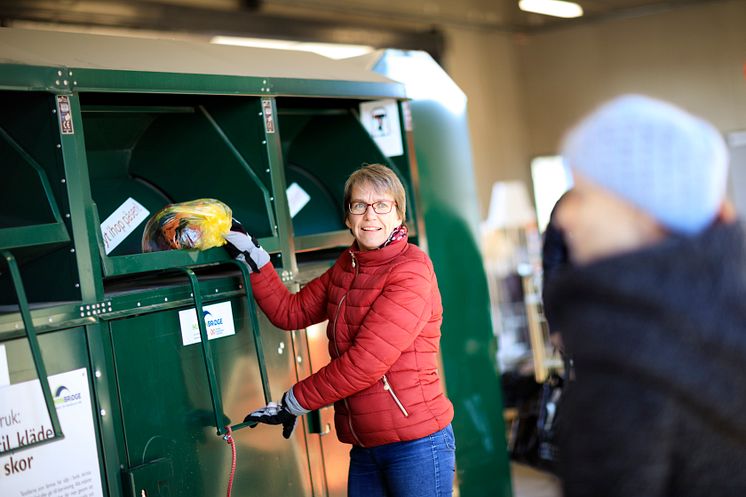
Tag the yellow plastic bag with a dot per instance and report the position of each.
(198, 224)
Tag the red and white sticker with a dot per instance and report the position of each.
(65, 113)
(269, 120)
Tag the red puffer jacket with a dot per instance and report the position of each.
(384, 313)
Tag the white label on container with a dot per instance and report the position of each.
(381, 119)
(4, 371)
(122, 223)
(218, 320)
(68, 466)
(297, 198)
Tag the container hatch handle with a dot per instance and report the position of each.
(254, 321)
(41, 370)
(217, 403)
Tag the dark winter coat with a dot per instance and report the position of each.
(659, 342)
(384, 311)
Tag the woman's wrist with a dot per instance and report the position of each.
(292, 404)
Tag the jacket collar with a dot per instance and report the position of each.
(378, 256)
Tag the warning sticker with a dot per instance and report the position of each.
(269, 121)
(66, 117)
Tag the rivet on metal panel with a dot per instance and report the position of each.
(63, 180)
(67, 215)
(216, 290)
(88, 313)
(82, 314)
(143, 493)
(103, 412)
(138, 304)
(77, 285)
(72, 250)
(260, 113)
(64, 82)
(81, 307)
(98, 374)
(59, 145)
(165, 299)
(299, 359)
(69, 73)
(267, 170)
(191, 294)
(279, 350)
(271, 199)
(75, 83)
(87, 307)
(59, 73)
(264, 142)
(50, 320)
(54, 111)
(57, 81)
(264, 81)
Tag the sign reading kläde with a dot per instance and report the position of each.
(61, 468)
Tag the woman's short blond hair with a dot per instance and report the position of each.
(383, 180)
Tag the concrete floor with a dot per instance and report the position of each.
(529, 482)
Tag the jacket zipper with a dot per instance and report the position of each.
(387, 387)
(336, 347)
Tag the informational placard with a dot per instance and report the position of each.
(122, 223)
(381, 119)
(4, 371)
(67, 467)
(297, 198)
(218, 319)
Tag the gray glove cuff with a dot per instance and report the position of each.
(292, 404)
(258, 255)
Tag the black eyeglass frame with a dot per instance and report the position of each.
(349, 207)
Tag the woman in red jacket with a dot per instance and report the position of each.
(384, 312)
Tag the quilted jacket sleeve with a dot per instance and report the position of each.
(391, 325)
(286, 310)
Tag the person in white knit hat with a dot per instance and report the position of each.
(652, 309)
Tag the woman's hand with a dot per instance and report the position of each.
(245, 247)
(283, 413)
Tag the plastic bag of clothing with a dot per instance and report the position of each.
(198, 224)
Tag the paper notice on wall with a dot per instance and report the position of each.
(122, 223)
(297, 198)
(218, 320)
(59, 468)
(4, 371)
(381, 119)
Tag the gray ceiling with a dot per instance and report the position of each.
(410, 24)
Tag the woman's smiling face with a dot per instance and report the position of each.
(371, 230)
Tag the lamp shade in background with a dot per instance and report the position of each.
(509, 207)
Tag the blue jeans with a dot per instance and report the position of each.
(419, 468)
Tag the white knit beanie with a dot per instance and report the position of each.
(655, 155)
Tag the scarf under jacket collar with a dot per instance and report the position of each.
(672, 315)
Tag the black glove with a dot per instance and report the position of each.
(274, 414)
(245, 247)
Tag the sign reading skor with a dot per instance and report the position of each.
(122, 223)
(65, 467)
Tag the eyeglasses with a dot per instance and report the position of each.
(381, 207)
